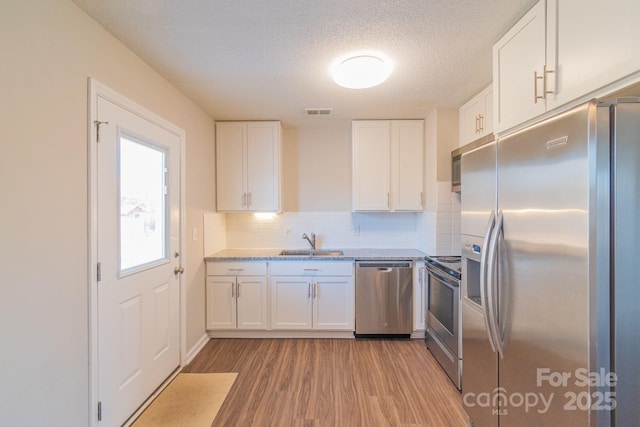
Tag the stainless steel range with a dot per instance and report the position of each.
(443, 335)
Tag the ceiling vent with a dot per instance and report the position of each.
(318, 111)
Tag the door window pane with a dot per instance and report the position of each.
(143, 236)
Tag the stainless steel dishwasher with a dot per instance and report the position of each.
(384, 298)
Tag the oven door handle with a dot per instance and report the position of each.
(483, 280)
(449, 283)
(492, 262)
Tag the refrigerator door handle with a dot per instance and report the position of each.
(483, 279)
(492, 285)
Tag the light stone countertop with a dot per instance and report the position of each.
(272, 254)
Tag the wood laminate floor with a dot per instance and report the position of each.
(331, 382)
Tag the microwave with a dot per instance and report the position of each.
(456, 160)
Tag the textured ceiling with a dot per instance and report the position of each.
(270, 59)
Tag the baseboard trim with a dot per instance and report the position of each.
(418, 335)
(204, 339)
(280, 334)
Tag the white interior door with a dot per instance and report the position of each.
(138, 238)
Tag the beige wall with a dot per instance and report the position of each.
(436, 224)
(49, 49)
(317, 169)
(447, 141)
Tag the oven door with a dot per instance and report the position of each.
(443, 315)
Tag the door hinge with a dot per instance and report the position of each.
(98, 123)
(99, 411)
(99, 272)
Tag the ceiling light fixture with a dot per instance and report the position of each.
(361, 70)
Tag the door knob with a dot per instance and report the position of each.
(178, 270)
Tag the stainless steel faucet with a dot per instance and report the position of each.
(311, 241)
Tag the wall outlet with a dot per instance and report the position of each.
(355, 230)
(286, 231)
(194, 234)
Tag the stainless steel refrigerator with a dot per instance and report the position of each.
(550, 229)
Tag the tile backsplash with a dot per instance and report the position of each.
(333, 230)
(434, 232)
(448, 221)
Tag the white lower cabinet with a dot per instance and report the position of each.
(315, 295)
(420, 297)
(236, 301)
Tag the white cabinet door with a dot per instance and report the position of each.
(251, 297)
(371, 163)
(407, 144)
(476, 117)
(469, 120)
(291, 302)
(221, 302)
(564, 52)
(230, 168)
(263, 166)
(248, 162)
(590, 44)
(333, 303)
(518, 58)
(388, 166)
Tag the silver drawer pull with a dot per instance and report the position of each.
(236, 269)
(311, 269)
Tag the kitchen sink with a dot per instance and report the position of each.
(310, 252)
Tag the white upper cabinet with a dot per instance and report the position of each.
(371, 165)
(563, 52)
(248, 166)
(518, 57)
(388, 165)
(590, 44)
(476, 117)
(407, 159)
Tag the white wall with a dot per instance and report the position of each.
(49, 49)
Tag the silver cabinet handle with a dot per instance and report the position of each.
(309, 288)
(236, 269)
(249, 199)
(545, 85)
(536, 77)
(544, 82)
(311, 269)
(233, 290)
(483, 279)
(238, 290)
(492, 261)
(315, 290)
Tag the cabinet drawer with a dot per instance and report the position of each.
(316, 268)
(237, 268)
